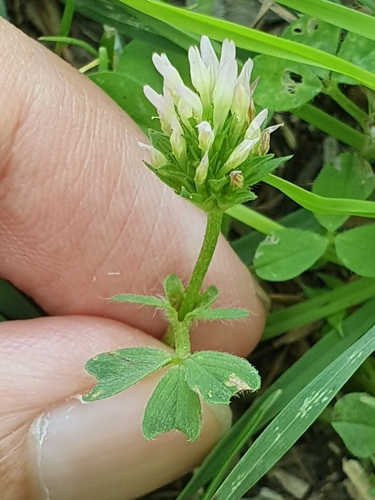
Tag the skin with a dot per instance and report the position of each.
(81, 219)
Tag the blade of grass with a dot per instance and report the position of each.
(253, 219)
(250, 39)
(291, 383)
(65, 24)
(295, 419)
(338, 15)
(67, 40)
(319, 307)
(330, 125)
(319, 204)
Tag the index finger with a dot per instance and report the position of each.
(81, 219)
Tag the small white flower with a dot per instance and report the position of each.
(177, 140)
(206, 136)
(168, 72)
(191, 99)
(242, 94)
(239, 155)
(200, 76)
(157, 158)
(202, 170)
(254, 127)
(224, 88)
(210, 60)
(163, 104)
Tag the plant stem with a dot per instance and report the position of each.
(214, 219)
(331, 89)
(182, 339)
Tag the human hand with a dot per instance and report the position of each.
(81, 219)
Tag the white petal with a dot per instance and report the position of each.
(202, 170)
(163, 104)
(244, 77)
(157, 158)
(191, 98)
(206, 136)
(254, 127)
(228, 52)
(239, 155)
(166, 69)
(223, 92)
(209, 57)
(200, 75)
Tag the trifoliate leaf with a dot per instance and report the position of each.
(208, 297)
(118, 370)
(173, 406)
(146, 300)
(217, 376)
(212, 314)
(174, 290)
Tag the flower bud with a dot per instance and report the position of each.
(206, 136)
(236, 179)
(157, 158)
(239, 155)
(201, 171)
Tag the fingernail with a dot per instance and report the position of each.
(96, 451)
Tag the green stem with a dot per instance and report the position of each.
(331, 88)
(182, 339)
(214, 219)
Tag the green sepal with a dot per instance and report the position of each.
(173, 406)
(218, 376)
(174, 290)
(118, 370)
(201, 313)
(160, 142)
(256, 169)
(146, 300)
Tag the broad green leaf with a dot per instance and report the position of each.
(286, 253)
(220, 313)
(146, 300)
(127, 92)
(353, 418)
(217, 376)
(173, 406)
(118, 370)
(283, 85)
(359, 51)
(348, 176)
(174, 290)
(356, 249)
(294, 419)
(314, 32)
(208, 297)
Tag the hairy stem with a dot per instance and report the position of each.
(214, 219)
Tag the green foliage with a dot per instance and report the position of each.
(348, 176)
(356, 249)
(353, 418)
(118, 370)
(286, 253)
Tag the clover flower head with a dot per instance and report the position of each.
(211, 147)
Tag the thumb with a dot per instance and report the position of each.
(53, 446)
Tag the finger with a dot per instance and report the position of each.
(81, 219)
(53, 446)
